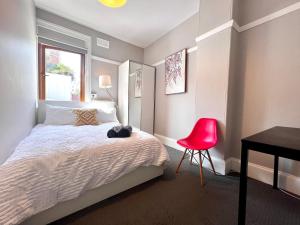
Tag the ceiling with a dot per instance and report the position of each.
(139, 22)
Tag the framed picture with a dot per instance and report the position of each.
(175, 76)
(138, 84)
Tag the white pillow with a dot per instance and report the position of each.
(56, 115)
(109, 115)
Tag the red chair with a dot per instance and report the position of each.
(203, 137)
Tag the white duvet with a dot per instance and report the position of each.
(58, 163)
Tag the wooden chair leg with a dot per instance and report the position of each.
(201, 169)
(211, 163)
(191, 162)
(177, 170)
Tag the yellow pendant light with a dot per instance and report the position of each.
(113, 3)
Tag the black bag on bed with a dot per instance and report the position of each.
(119, 132)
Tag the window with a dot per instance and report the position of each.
(61, 74)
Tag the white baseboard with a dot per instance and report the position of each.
(286, 181)
(219, 164)
(264, 174)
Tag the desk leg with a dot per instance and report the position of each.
(243, 186)
(275, 176)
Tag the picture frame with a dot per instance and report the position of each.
(175, 73)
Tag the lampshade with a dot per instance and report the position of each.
(105, 81)
(113, 3)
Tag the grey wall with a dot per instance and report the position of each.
(119, 50)
(250, 10)
(174, 114)
(248, 81)
(18, 83)
(213, 71)
(207, 74)
(214, 13)
(183, 36)
(261, 78)
(234, 97)
(212, 83)
(269, 67)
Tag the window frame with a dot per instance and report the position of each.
(42, 73)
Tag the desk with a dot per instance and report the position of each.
(278, 141)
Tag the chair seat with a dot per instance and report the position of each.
(186, 143)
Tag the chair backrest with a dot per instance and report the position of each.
(205, 130)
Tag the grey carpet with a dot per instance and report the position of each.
(180, 200)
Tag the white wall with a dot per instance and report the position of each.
(18, 83)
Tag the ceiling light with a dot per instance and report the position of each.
(113, 3)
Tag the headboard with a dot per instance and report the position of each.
(41, 112)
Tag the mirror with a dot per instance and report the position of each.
(136, 95)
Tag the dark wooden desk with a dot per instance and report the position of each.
(278, 141)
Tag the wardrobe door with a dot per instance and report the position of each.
(135, 94)
(148, 99)
(123, 93)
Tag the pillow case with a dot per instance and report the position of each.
(57, 115)
(108, 115)
(85, 117)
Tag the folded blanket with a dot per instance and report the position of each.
(119, 132)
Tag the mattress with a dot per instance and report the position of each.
(58, 163)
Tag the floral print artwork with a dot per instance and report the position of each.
(175, 76)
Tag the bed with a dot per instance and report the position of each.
(58, 170)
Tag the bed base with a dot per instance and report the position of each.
(94, 196)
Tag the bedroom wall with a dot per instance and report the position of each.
(247, 80)
(269, 67)
(247, 11)
(213, 62)
(119, 51)
(174, 114)
(18, 82)
(207, 76)
(214, 13)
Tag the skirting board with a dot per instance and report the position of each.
(286, 181)
(219, 164)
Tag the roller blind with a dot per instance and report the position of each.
(59, 40)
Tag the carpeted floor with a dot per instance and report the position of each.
(180, 200)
